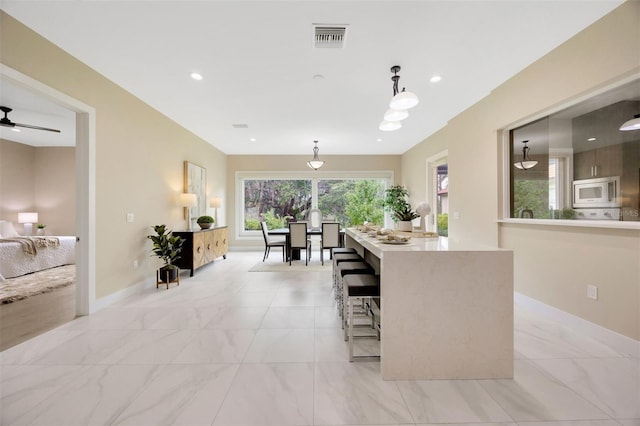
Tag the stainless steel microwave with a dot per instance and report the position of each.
(598, 192)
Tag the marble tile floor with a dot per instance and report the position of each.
(231, 347)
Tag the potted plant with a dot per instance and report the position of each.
(395, 201)
(205, 222)
(167, 247)
(41, 227)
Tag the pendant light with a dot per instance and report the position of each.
(525, 163)
(400, 103)
(633, 124)
(401, 99)
(315, 163)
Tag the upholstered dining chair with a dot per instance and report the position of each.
(330, 238)
(271, 241)
(298, 239)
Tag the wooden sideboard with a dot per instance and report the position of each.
(202, 246)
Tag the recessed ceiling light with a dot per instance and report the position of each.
(379, 140)
(196, 76)
(318, 77)
(253, 139)
(16, 130)
(591, 139)
(435, 78)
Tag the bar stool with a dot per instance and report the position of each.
(358, 286)
(348, 268)
(337, 250)
(342, 257)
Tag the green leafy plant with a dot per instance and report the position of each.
(395, 201)
(205, 219)
(166, 246)
(41, 226)
(443, 224)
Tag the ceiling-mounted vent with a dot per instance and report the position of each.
(329, 36)
(240, 126)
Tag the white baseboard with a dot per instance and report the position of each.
(118, 296)
(617, 341)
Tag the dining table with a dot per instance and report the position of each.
(295, 253)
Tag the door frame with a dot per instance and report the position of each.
(432, 180)
(85, 183)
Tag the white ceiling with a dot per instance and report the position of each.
(259, 65)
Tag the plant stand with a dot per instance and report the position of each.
(168, 280)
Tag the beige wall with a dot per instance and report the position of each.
(40, 179)
(552, 264)
(139, 156)
(294, 163)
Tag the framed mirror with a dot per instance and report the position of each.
(195, 182)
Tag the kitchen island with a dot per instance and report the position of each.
(447, 309)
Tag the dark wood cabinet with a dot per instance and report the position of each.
(202, 246)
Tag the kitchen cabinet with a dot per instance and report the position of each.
(598, 162)
(202, 247)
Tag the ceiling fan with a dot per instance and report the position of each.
(4, 121)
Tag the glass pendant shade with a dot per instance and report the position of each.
(388, 126)
(525, 165)
(396, 114)
(404, 100)
(633, 124)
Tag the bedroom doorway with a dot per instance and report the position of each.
(85, 182)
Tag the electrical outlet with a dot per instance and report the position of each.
(135, 264)
(130, 217)
(592, 292)
(456, 215)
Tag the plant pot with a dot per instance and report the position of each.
(40, 231)
(206, 225)
(168, 274)
(405, 225)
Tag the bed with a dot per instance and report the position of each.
(25, 255)
(38, 274)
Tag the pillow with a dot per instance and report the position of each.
(7, 229)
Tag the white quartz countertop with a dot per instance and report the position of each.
(378, 247)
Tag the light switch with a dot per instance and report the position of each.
(129, 217)
(456, 215)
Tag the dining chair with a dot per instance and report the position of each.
(298, 239)
(330, 238)
(270, 241)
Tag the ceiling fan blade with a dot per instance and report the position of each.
(29, 126)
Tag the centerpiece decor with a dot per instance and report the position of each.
(205, 222)
(396, 202)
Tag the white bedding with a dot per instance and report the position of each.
(14, 262)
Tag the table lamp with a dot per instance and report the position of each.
(188, 200)
(28, 219)
(215, 203)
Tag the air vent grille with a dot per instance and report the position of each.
(240, 126)
(326, 36)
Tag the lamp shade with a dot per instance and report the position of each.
(215, 202)
(525, 165)
(633, 124)
(27, 217)
(404, 100)
(396, 114)
(188, 200)
(389, 126)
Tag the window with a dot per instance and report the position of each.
(278, 198)
(580, 145)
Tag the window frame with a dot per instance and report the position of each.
(506, 160)
(387, 176)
